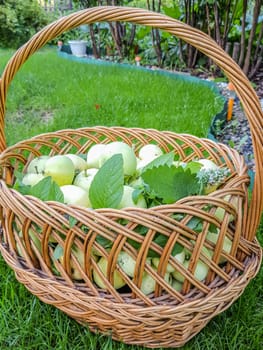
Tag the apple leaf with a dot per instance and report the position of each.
(19, 176)
(104, 242)
(195, 224)
(164, 159)
(161, 240)
(72, 221)
(171, 183)
(58, 252)
(82, 155)
(19, 186)
(136, 194)
(106, 189)
(193, 166)
(47, 190)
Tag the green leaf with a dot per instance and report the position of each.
(171, 183)
(174, 12)
(153, 254)
(23, 189)
(164, 159)
(161, 240)
(18, 175)
(47, 190)
(82, 155)
(104, 242)
(213, 228)
(142, 32)
(58, 252)
(106, 189)
(134, 244)
(177, 249)
(195, 224)
(142, 230)
(72, 221)
(194, 167)
(136, 194)
(19, 186)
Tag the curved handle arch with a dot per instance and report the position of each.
(196, 38)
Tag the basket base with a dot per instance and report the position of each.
(152, 327)
(151, 339)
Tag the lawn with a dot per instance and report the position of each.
(51, 93)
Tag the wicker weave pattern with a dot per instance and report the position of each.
(165, 317)
(155, 326)
(195, 37)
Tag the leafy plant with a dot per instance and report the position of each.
(170, 183)
(46, 189)
(20, 20)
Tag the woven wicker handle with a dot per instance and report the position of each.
(192, 36)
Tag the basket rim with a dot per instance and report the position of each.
(241, 169)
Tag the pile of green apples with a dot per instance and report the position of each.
(74, 174)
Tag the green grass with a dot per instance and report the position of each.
(50, 93)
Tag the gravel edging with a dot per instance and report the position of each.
(236, 132)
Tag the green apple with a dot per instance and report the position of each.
(220, 212)
(75, 195)
(127, 200)
(129, 157)
(148, 282)
(118, 281)
(207, 164)
(37, 165)
(201, 269)
(179, 257)
(200, 273)
(31, 179)
(61, 169)
(127, 263)
(85, 178)
(137, 183)
(227, 244)
(34, 237)
(142, 163)
(150, 152)
(177, 285)
(75, 272)
(204, 250)
(98, 254)
(79, 163)
(211, 188)
(95, 155)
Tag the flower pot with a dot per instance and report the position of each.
(78, 47)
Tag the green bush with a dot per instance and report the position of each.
(20, 19)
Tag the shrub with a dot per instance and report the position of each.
(20, 19)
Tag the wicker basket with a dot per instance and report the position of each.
(165, 318)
